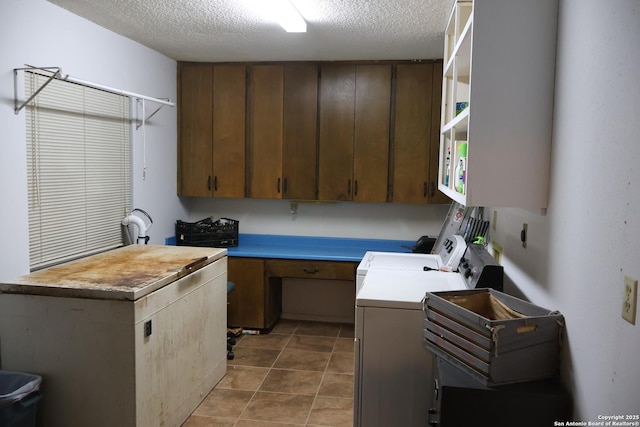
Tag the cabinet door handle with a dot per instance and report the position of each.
(284, 186)
(424, 190)
(355, 187)
(349, 187)
(215, 183)
(310, 270)
(278, 185)
(209, 183)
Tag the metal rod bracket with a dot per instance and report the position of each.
(17, 106)
(142, 122)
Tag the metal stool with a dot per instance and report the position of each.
(231, 340)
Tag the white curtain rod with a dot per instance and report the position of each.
(116, 91)
(58, 75)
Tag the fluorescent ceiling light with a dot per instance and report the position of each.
(288, 16)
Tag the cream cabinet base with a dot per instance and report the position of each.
(142, 363)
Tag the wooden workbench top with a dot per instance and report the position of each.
(127, 273)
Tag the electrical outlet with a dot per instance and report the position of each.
(630, 299)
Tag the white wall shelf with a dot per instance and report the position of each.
(499, 61)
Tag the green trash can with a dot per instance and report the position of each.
(19, 396)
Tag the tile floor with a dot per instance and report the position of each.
(300, 374)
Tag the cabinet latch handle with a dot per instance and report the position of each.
(278, 185)
(193, 266)
(310, 270)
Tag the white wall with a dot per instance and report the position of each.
(341, 219)
(38, 33)
(579, 252)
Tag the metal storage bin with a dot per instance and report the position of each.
(19, 395)
(492, 336)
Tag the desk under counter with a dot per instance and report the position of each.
(259, 263)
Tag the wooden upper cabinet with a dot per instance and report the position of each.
(195, 151)
(211, 149)
(355, 103)
(313, 131)
(416, 134)
(371, 138)
(337, 94)
(229, 102)
(300, 130)
(265, 131)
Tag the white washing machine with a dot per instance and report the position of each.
(447, 259)
(393, 370)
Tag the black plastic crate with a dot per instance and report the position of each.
(222, 233)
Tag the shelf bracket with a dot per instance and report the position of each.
(142, 122)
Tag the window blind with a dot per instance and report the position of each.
(79, 170)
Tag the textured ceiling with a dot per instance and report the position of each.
(233, 30)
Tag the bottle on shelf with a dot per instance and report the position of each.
(460, 107)
(447, 166)
(461, 169)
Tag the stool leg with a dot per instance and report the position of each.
(230, 345)
(231, 341)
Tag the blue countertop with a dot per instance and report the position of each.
(312, 248)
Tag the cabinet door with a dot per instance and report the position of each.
(371, 139)
(415, 126)
(247, 302)
(229, 100)
(264, 131)
(335, 152)
(300, 130)
(195, 129)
